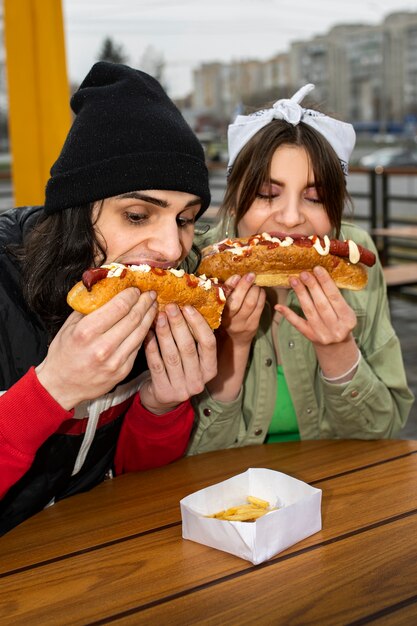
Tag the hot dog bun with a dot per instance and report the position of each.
(99, 285)
(275, 260)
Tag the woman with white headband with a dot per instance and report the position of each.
(308, 362)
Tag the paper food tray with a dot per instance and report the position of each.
(298, 515)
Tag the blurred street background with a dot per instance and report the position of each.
(216, 62)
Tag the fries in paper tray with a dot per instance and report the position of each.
(254, 515)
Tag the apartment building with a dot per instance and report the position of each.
(364, 73)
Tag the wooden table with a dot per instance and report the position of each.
(400, 274)
(398, 232)
(115, 554)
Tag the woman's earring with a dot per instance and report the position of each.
(230, 217)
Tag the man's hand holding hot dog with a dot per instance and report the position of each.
(181, 357)
(100, 349)
(91, 354)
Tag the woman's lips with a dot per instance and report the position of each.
(164, 266)
(281, 235)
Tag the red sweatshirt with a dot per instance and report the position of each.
(29, 415)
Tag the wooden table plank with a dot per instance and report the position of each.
(400, 614)
(109, 512)
(338, 582)
(401, 274)
(399, 232)
(333, 586)
(155, 566)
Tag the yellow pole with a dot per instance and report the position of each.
(38, 92)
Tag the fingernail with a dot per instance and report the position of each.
(233, 281)
(305, 276)
(161, 320)
(319, 271)
(250, 277)
(172, 309)
(152, 295)
(190, 310)
(293, 282)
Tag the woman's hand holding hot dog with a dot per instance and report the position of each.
(240, 322)
(328, 322)
(243, 309)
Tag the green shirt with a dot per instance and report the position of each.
(284, 425)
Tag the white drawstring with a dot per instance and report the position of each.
(96, 407)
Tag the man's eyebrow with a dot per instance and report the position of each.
(136, 195)
(194, 202)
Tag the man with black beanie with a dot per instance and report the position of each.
(80, 397)
(127, 135)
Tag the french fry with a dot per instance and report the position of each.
(258, 502)
(245, 512)
(246, 516)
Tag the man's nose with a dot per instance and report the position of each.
(166, 242)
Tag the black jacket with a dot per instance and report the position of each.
(23, 343)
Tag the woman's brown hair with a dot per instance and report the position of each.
(252, 167)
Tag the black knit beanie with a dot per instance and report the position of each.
(127, 136)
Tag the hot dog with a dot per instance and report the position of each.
(99, 285)
(276, 257)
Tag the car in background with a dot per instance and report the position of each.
(390, 157)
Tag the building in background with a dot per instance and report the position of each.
(365, 74)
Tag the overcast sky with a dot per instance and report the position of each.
(187, 33)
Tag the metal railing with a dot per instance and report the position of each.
(388, 208)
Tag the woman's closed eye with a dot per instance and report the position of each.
(312, 195)
(268, 191)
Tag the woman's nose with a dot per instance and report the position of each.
(290, 214)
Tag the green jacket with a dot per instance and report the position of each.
(374, 404)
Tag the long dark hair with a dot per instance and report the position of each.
(252, 168)
(55, 254)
